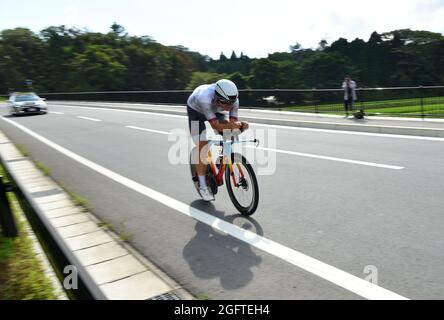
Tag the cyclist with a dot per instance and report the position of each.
(217, 103)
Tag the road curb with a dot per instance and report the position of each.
(110, 268)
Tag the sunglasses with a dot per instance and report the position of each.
(226, 102)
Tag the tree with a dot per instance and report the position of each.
(375, 39)
(239, 79)
(265, 74)
(23, 57)
(98, 68)
(296, 47)
(199, 78)
(118, 30)
(322, 45)
(69, 59)
(325, 70)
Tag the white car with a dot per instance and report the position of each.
(26, 103)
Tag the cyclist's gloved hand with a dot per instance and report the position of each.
(237, 126)
(245, 126)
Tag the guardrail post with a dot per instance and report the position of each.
(7, 221)
(421, 97)
(313, 91)
(361, 100)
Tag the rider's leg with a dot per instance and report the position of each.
(201, 167)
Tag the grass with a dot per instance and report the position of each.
(21, 149)
(22, 276)
(428, 109)
(431, 106)
(78, 200)
(105, 225)
(123, 232)
(44, 169)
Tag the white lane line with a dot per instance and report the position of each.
(383, 135)
(148, 130)
(56, 112)
(87, 118)
(341, 278)
(338, 117)
(126, 111)
(308, 155)
(342, 124)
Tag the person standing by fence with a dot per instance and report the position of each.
(349, 87)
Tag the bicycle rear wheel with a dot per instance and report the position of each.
(244, 195)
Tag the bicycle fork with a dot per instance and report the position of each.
(227, 154)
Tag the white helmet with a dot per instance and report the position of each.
(226, 91)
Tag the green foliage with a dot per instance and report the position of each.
(411, 106)
(323, 70)
(21, 276)
(98, 68)
(61, 59)
(199, 78)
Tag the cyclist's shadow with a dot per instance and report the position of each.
(214, 254)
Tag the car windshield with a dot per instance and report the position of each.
(29, 97)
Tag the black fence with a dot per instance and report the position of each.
(8, 226)
(422, 101)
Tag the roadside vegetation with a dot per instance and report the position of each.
(62, 59)
(383, 107)
(22, 276)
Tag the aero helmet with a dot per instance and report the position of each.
(226, 91)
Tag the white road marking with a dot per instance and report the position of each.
(308, 155)
(344, 124)
(55, 112)
(365, 163)
(127, 111)
(341, 278)
(87, 118)
(149, 130)
(383, 135)
(339, 117)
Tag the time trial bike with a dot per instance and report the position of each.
(239, 175)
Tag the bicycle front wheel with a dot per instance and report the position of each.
(242, 187)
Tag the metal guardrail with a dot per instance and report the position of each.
(417, 101)
(59, 254)
(7, 221)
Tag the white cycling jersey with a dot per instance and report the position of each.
(202, 100)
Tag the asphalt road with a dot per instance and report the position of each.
(368, 205)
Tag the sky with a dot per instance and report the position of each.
(254, 27)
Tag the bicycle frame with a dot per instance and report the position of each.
(226, 159)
